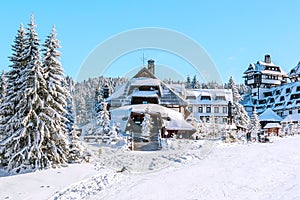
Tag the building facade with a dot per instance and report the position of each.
(209, 105)
(272, 88)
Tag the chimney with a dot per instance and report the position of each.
(267, 58)
(151, 66)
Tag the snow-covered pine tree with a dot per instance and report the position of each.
(69, 104)
(146, 126)
(35, 142)
(76, 148)
(188, 82)
(255, 126)
(103, 119)
(195, 82)
(28, 147)
(2, 86)
(240, 116)
(236, 97)
(55, 101)
(8, 123)
(97, 100)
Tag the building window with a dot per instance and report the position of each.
(201, 118)
(225, 120)
(200, 109)
(208, 109)
(190, 109)
(205, 98)
(282, 98)
(220, 98)
(216, 109)
(207, 119)
(225, 110)
(216, 120)
(280, 114)
(290, 112)
(249, 109)
(298, 110)
(288, 90)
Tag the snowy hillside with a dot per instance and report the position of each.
(187, 170)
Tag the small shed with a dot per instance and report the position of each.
(272, 128)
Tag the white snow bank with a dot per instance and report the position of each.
(91, 186)
(43, 184)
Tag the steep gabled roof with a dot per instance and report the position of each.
(144, 72)
(269, 116)
(295, 71)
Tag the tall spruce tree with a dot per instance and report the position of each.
(240, 116)
(25, 148)
(8, 121)
(76, 149)
(55, 101)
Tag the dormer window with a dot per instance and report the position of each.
(220, 98)
(205, 98)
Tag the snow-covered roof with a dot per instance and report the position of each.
(118, 92)
(216, 95)
(144, 81)
(264, 68)
(166, 95)
(144, 94)
(272, 125)
(123, 90)
(272, 72)
(178, 125)
(176, 122)
(270, 116)
(262, 63)
(291, 118)
(295, 71)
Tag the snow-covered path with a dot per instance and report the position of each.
(255, 171)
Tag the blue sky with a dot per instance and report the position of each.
(233, 33)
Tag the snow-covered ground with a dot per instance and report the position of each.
(188, 170)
